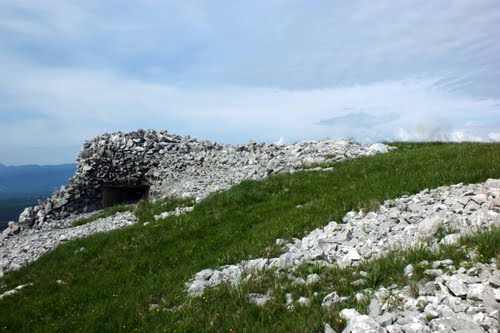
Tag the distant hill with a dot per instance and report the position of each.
(22, 186)
(11, 208)
(33, 180)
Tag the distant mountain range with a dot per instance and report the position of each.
(33, 180)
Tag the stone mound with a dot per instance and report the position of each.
(126, 167)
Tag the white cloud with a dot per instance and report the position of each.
(246, 70)
(421, 133)
(290, 45)
(494, 136)
(84, 103)
(460, 136)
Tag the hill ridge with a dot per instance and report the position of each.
(135, 277)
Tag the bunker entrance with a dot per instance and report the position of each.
(116, 195)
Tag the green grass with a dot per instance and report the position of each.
(145, 210)
(486, 245)
(111, 283)
(106, 212)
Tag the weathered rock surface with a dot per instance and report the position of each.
(171, 165)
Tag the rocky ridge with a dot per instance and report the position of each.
(171, 165)
(455, 299)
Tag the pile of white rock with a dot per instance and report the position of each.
(20, 247)
(449, 300)
(171, 165)
(464, 299)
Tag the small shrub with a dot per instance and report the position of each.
(226, 259)
(273, 251)
(372, 206)
(486, 243)
(373, 280)
(444, 231)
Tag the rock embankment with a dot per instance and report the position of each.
(454, 299)
(20, 247)
(171, 165)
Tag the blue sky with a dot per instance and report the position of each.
(232, 71)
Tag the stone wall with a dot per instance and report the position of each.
(171, 165)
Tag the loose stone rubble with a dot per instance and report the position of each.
(178, 211)
(461, 300)
(452, 299)
(171, 165)
(14, 291)
(17, 250)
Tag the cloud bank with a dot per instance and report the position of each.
(245, 70)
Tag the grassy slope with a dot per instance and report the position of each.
(110, 284)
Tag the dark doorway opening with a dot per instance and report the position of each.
(116, 195)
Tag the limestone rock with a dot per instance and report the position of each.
(312, 279)
(363, 324)
(27, 217)
(430, 226)
(258, 299)
(457, 286)
(328, 329)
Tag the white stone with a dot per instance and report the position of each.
(348, 314)
(258, 299)
(304, 301)
(328, 329)
(457, 286)
(363, 324)
(351, 256)
(312, 279)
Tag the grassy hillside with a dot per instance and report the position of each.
(111, 279)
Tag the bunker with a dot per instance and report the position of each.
(116, 195)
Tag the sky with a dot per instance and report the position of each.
(233, 71)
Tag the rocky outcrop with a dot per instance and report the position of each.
(170, 165)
